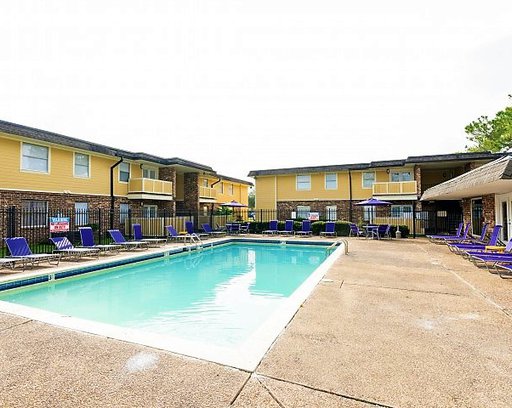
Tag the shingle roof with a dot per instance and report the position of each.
(51, 137)
(491, 178)
(377, 164)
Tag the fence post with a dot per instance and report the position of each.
(11, 222)
(413, 219)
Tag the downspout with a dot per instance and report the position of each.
(112, 199)
(349, 195)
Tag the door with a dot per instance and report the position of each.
(504, 220)
(477, 216)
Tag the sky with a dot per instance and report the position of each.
(251, 85)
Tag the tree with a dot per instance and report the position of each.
(494, 134)
(252, 199)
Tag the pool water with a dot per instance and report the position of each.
(220, 295)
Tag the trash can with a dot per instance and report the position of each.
(398, 233)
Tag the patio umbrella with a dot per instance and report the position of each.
(233, 204)
(373, 202)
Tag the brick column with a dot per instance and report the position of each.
(417, 178)
(169, 174)
(466, 210)
(489, 209)
(191, 193)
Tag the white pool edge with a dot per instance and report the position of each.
(245, 357)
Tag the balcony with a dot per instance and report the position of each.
(149, 189)
(400, 190)
(207, 194)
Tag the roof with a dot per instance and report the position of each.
(378, 164)
(491, 178)
(235, 180)
(51, 137)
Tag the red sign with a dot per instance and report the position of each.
(59, 224)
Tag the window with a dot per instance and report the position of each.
(369, 212)
(230, 189)
(124, 212)
(304, 182)
(81, 214)
(401, 211)
(303, 211)
(81, 165)
(148, 173)
(220, 188)
(124, 172)
(34, 158)
(331, 213)
(204, 182)
(331, 181)
(401, 176)
(149, 211)
(34, 213)
(368, 179)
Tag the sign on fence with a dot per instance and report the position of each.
(314, 216)
(59, 224)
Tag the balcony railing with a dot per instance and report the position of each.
(149, 186)
(207, 192)
(395, 188)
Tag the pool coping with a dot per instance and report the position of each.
(246, 356)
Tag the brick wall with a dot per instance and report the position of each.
(489, 212)
(191, 195)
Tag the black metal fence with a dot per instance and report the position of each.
(39, 225)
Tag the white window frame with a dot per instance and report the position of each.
(220, 189)
(88, 165)
(81, 213)
(400, 176)
(149, 211)
(204, 182)
(149, 170)
(303, 211)
(124, 211)
(129, 172)
(22, 155)
(305, 181)
(231, 189)
(335, 181)
(331, 212)
(401, 212)
(363, 179)
(27, 221)
(369, 213)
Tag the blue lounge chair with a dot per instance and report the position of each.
(137, 236)
(458, 234)
(463, 238)
(18, 248)
(233, 228)
(306, 229)
(288, 228)
(383, 231)
(119, 239)
(504, 269)
(355, 231)
(244, 228)
(272, 227)
(462, 248)
(330, 229)
(173, 234)
(11, 262)
(87, 238)
(208, 230)
(480, 256)
(65, 247)
(189, 226)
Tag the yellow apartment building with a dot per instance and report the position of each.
(333, 191)
(42, 170)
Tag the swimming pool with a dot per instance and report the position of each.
(225, 304)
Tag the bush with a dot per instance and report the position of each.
(404, 229)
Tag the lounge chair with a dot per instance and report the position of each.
(462, 248)
(330, 229)
(208, 230)
(87, 238)
(189, 226)
(244, 228)
(504, 269)
(355, 231)
(458, 234)
(173, 234)
(272, 227)
(11, 262)
(233, 228)
(65, 247)
(18, 248)
(288, 228)
(137, 235)
(119, 239)
(306, 229)
(461, 239)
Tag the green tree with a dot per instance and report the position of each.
(252, 199)
(494, 134)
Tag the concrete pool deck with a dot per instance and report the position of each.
(401, 323)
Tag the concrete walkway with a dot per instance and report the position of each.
(395, 323)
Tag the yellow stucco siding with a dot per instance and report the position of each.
(265, 192)
(180, 186)
(60, 176)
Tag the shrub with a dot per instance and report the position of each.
(404, 229)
